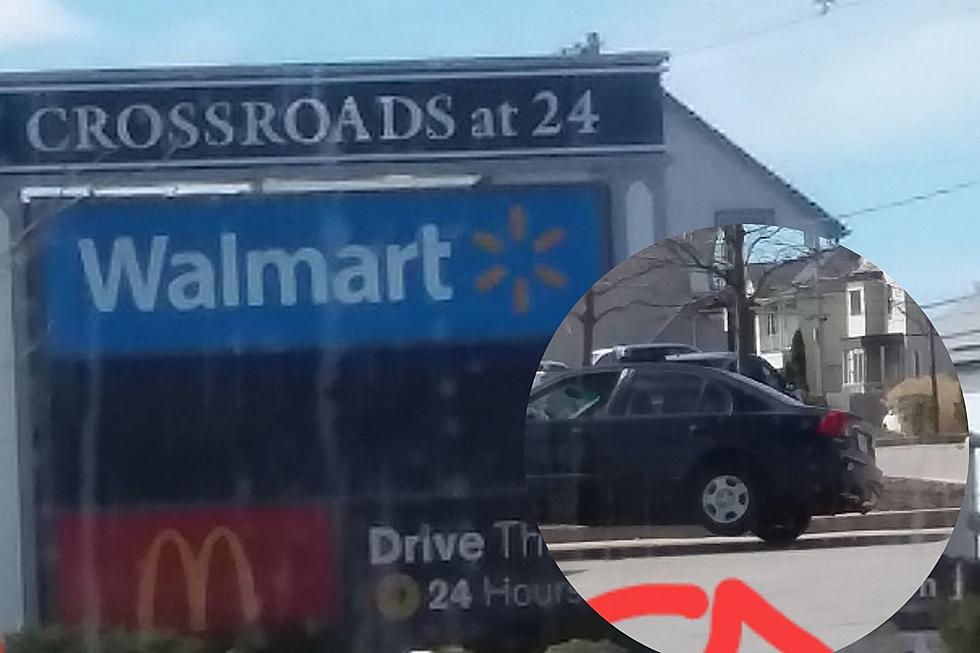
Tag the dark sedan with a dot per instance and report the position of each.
(679, 443)
(755, 367)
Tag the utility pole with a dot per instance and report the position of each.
(932, 374)
(818, 331)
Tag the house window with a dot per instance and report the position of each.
(855, 299)
(854, 366)
(772, 324)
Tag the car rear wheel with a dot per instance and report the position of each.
(782, 530)
(726, 501)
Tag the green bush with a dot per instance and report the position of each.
(796, 365)
(959, 624)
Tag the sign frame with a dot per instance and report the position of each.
(207, 80)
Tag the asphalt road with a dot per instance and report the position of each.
(837, 594)
(944, 462)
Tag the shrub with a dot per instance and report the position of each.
(912, 402)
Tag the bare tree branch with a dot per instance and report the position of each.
(636, 302)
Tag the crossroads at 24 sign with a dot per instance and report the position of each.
(327, 270)
(374, 114)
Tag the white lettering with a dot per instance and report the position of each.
(438, 108)
(351, 275)
(365, 272)
(200, 278)
(229, 270)
(258, 117)
(433, 250)
(388, 546)
(398, 257)
(350, 116)
(321, 115)
(90, 122)
(385, 545)
(286, 265)
(221, 122)
(34, 129)
(123, 261)
(507, 111)
(153, 120)
(389, 104)
(181, 117)
(482, 123)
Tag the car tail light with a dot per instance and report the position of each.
(834, 424)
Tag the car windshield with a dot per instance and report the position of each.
(573, 397)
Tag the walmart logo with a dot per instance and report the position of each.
(520, 280)
(357, 269)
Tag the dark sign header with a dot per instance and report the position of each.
(313, 118)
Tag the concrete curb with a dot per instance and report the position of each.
(901, 441)
(625, 549)
(904, 493)
(872, 521)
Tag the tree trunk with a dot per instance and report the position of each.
(737, 280)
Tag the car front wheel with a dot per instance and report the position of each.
(782, 530)
(726, 501)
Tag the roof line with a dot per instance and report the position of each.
(794, 193)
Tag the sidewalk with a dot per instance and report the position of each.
(645, 548)
(942, 462)
(911, 511)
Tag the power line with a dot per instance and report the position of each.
(913, 199)
(742, 37)
(769, 29)
(945, 302)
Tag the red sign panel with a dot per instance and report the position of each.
(198, 570)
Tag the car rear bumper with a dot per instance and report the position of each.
(857, 488)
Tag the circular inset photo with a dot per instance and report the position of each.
(750, 433)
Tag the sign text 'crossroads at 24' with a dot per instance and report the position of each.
(318, 117)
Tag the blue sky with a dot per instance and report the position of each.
(873, 102)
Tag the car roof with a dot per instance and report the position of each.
(704, 355)
(692, 368)
(658, 345)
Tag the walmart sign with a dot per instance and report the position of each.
(313, 271)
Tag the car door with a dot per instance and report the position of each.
(559, 435)
(650, 435)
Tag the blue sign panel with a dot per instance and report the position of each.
(281, 273)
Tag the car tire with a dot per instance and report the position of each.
(783, 530)
(726, 500)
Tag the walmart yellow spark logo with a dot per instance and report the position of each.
(497, 274)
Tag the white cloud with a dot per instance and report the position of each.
(40, 22)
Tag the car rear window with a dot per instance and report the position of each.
(664, 393)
